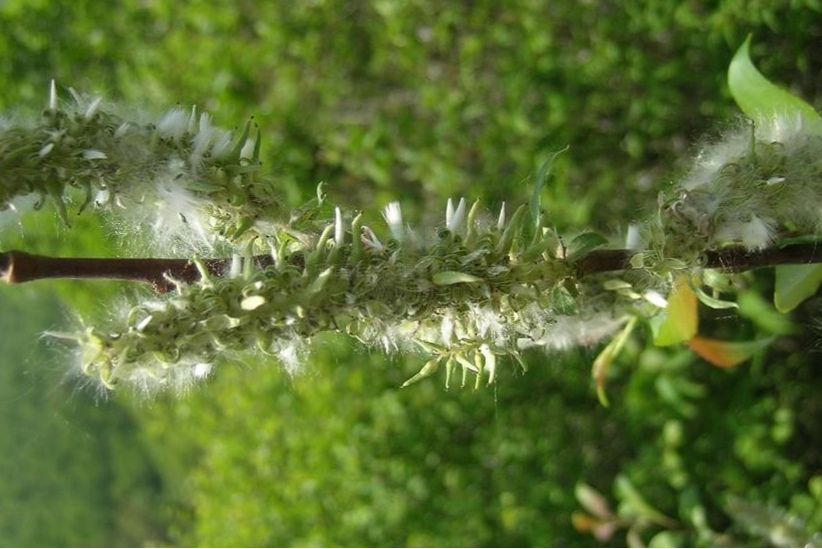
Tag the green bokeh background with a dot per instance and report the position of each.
(416, 101)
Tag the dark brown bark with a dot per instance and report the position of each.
(17, 267)
(735, 259)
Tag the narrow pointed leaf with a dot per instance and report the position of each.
(535, 205)
(758, 310)
(713, 302)
(465, 363)
(512, 230)
(607, 356)
(430, 347)
(428, 369)
(446, 278)
(639, 507)
(319, 283)
(593, 502)
(726, 354)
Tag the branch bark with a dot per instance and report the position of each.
(732, 259)
(17, 267)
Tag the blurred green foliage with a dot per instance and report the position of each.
(75, 470)
(415, 101)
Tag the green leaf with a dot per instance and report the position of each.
(465, 363)
(713, 302)
(607, 356)
(535, 205)
(637, 506)
(667, 538)
(428, 369)
(319, 283)
(511, 231)
(760, 99)
(593, 502)
(430, 347)
(446, 278)
(681, 320)
(759, 311)
(252, 302)
(616, 284)
(562, 302)
(794, 284)
(584, 243)
(717, 280)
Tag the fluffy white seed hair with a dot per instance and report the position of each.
(754, 234)
(173, 124)
(393, 218)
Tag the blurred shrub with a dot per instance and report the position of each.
(417, 101)
(341, 456)
(74, 472)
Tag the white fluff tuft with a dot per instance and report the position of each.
(785, 129)
(393, 218)
(571, 331)
(713, 157)
(174, 220)
(202, 140)
(290, 353)
(222, 144)
(339, 229)
(52, 95)
(754, 234)
(455, 216)
(633, 238)
(173, 124)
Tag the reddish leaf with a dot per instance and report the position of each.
(726, 354)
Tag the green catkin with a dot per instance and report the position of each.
(180, 161)
(745, 190)
(472, 291)
(467, 295)
(389, 299)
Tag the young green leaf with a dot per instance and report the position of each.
(446, 278)
(794, 284)
(681, 320)
(562, 302)
(759, 311)
(430, 368)
(713, 302)
(535, 205)
(584, 243)
(607, 356)
(637, 506)
(760, 99)
(717, 280)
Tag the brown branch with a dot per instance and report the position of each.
(17, 267)
(739, 259)
(735, 259)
